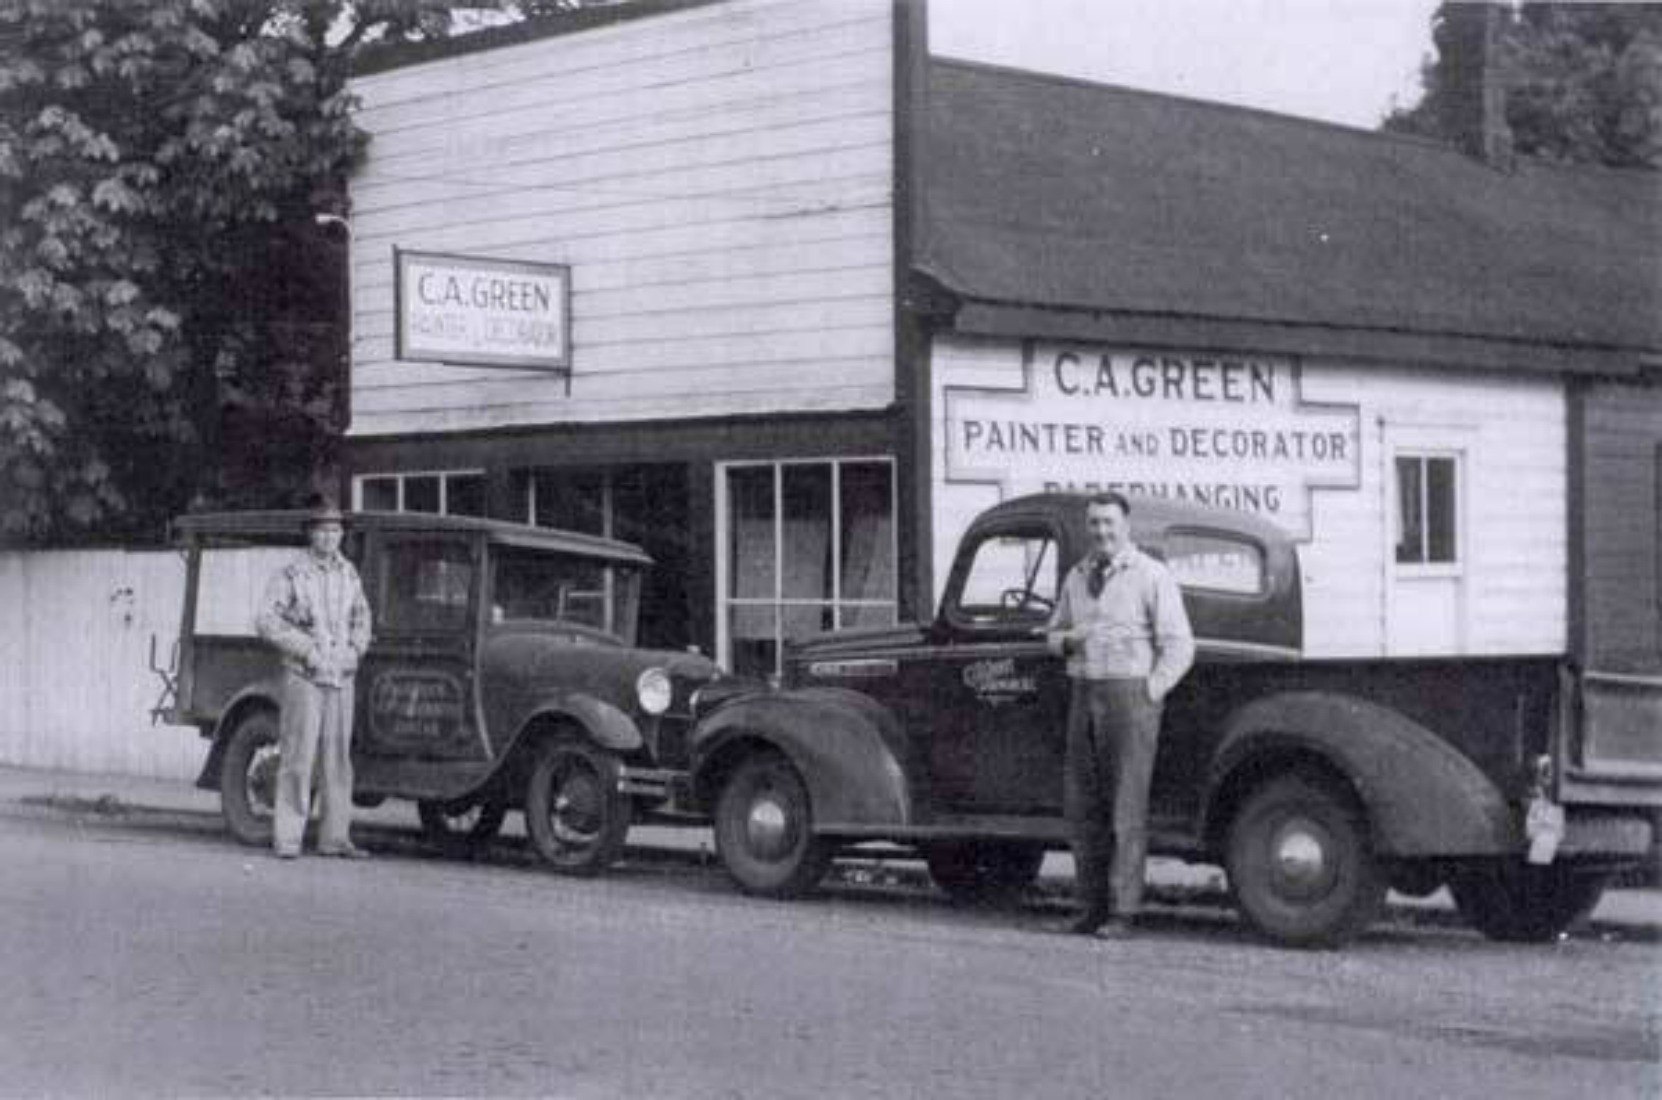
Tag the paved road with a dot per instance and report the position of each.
(141, 959)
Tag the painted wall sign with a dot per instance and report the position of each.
(1220, 429)
(484, 312)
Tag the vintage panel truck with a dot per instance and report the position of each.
(501, 677)
(1521, 782)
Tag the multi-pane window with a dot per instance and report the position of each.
(458, 493)
(1427, 509)
(809, 546)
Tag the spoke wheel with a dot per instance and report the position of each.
(764, 830)
(983, 872)
(1299, 864)
(248, 778)
(1517, 902)
(462, 825)
(574, 813)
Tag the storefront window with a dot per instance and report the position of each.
(809, 548)
(460, 493)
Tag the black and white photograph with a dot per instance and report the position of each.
(831, 549)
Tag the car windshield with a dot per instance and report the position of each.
(537, 586)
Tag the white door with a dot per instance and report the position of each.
(1427, 552)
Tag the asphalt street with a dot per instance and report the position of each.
(155, 957)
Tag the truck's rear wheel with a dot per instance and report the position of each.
(764, 829)
(576, 816)
(248, 778)
(983, 872)
(1299, 864)
(1517, 902)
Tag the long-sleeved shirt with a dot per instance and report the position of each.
(1136, 627)
(315, 613)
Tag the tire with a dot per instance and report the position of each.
(1300, 866)
(248, 778)
(1516, 902)
(575, 815)
(983, 872)
(463, 825)
(764, 830)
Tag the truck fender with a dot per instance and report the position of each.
(834, 738)
(1422, 796)
(606, 725)
(261, 693)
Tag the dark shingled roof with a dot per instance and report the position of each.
(1060, 194)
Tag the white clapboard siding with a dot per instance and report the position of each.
(719, 179)
(1511, 429)
(75, 679)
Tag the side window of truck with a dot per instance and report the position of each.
(426, 585)
(1011, 578)
(1213, 561)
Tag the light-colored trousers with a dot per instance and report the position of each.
(1113, 734)
(314, 740)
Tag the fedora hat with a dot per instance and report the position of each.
(321, 508)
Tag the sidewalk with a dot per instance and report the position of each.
(394, 825)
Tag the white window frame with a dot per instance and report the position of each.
(399, 477)
(1462, 544)
(724, 654)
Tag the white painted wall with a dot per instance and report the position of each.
(718, 179)
(75, 683)
(1511, 432)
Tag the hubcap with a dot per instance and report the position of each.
(1300, 860)
(767, 828)
(576, 812)
(260, 781)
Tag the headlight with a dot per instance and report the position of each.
(653, 691)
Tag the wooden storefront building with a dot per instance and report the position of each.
(769, 290)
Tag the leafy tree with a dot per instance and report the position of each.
(171, 325)
(1582, 82)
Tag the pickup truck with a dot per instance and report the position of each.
(1523, 783)
(502, 676)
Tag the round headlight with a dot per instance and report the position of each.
(653, 691)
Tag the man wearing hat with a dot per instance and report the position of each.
(315, 614)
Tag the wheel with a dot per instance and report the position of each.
(1299, 864)
(576, 816)
(463, 824)
(764, 830)
(985, 872)
(248, 778)
(1518, 902)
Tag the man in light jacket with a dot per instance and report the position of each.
(315, 614)
(1120, 622)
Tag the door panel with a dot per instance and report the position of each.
(416, 687)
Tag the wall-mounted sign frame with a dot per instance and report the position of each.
(480, 311)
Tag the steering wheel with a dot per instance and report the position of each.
(1025, 599)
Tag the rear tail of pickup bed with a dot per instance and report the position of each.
(1610, 751)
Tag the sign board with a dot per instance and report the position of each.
(1226, 430)
(484, 312)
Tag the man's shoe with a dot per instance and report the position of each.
(287, 853)
(1117, 928)
(1084, 924)
(349, 851)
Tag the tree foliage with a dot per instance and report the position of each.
(1582, 81)
(171, 314)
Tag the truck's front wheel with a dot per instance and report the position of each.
(764, 829)
(575, 814)
(248, 778)
(1300, 866)
(1516, 902)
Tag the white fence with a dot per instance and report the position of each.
(75, 634)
